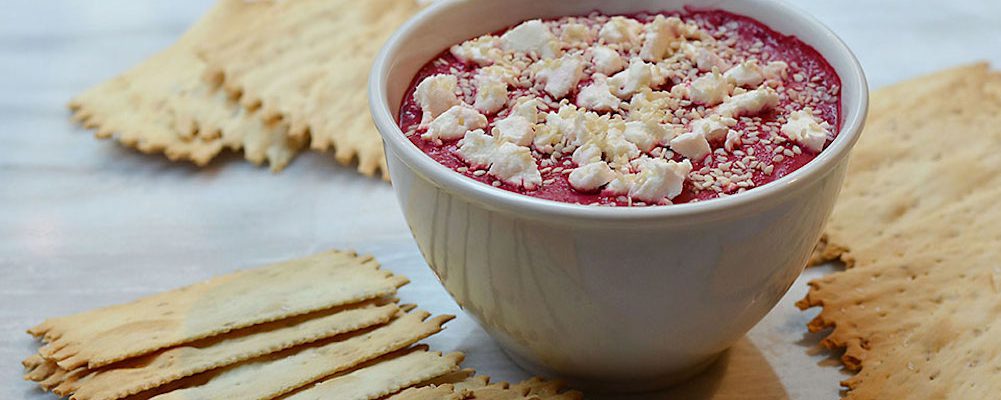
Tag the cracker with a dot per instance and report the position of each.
(545, 389)
(468, 384)
(451, 378)
(443, 392)
(163, 105)
(273, 376)
(918, 313)
(142, 373)
(918, 151)
(441, 387)
(384, 377)
(308, 65)
(480, 389)
(213, 307)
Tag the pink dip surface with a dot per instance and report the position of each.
(810, 82)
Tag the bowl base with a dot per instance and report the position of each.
(632, 386)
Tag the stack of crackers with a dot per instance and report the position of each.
(267, 78)
(327, 326)
(918, 311)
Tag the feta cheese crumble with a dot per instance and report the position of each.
(636, 77)
(606, 61)
(803, 128)
(435, 95)
(709, 89)
(591, 177)
(454, 123)
(597, 96)
(621, 30)
(515, 165)
(531, 36)
(560, 75)
(484, 50)
(692, 145)
(745, 74)
(749, 103)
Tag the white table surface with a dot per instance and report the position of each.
(85, 223)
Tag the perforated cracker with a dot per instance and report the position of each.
(156, 369)
(308, 66)
(206, 309)
(273, 376)
(918, 315)
(384, 377)
(163, 105)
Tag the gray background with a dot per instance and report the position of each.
(85, 223)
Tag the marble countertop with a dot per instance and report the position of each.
(85, 223)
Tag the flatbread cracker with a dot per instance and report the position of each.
(101, 337)
(142, 373)
(450, 378)
(382, 378)
(918, 313)
(547, 389)
(163, 105)
(308, 65)
(917, 154)
(273, 376)
(443, 392)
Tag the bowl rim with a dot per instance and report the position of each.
(395, 141)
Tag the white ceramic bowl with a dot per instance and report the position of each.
(620, 298)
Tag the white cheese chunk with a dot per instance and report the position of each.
(504, 73)
(616, 148)
(597, 96)
(804, 128)
(658, 37)
(776, 70)
(704, 59)
(733, 140)
(491, 95)
(435, 95)
(692, 145)
(477, 148)
(526, 108)
(515, 129)
(515, 165)
(531, 36)
(749, 103)
(659, 179)
(709, 89)
(577, 34)
(746, 74)
(621, 30)
(484, 50)
(606, 60)
(647, 134)
(590, 177)
(561, 75)
(454, 123)
(713, 127)
(621, 183)
(551, 132)
(626, 83)
(587, 153)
